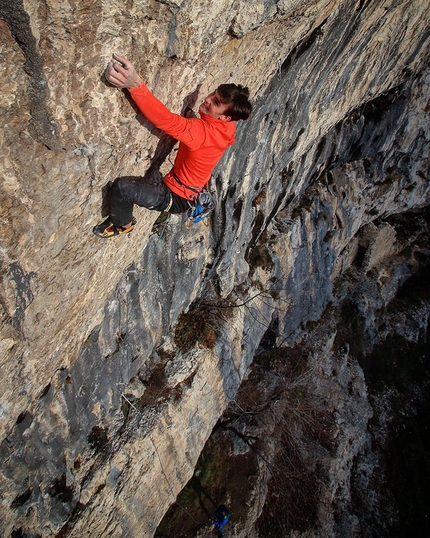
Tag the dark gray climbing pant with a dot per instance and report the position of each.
(127, 191)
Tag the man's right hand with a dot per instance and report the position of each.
(121, 73)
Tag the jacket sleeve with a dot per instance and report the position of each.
(187, 130)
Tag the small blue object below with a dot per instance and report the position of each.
(222, 516)
(198, 213)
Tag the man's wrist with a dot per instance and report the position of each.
(136, 84)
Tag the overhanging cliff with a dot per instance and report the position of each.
(104, 411)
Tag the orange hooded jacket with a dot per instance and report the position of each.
(202, 142)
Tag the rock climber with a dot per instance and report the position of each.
(202, 142)
(222, 516)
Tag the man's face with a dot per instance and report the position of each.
(213, 107)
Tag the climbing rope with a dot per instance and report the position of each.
(170, 487)
(164, 226)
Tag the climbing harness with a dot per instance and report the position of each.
(201, 206)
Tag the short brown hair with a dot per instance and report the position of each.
(236, 97)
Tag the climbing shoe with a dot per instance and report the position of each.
(107, 229)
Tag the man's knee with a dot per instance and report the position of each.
(131, 190)
(121, 188)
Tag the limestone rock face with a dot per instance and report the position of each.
(102, 413)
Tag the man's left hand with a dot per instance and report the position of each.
(121, 73)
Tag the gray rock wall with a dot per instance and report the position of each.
(102, 417)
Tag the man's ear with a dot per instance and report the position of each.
(224, 118)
